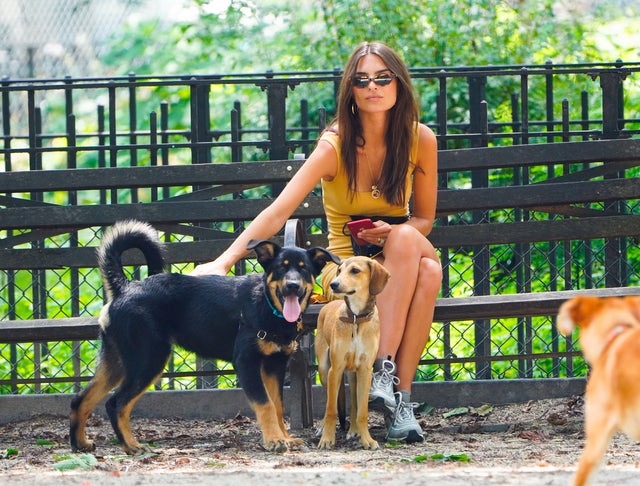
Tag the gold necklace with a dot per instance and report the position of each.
(375, 190)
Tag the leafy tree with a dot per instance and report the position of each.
(288, 35)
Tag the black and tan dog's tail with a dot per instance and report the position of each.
(119, 238)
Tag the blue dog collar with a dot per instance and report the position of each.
(273, 309)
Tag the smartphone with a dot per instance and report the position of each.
(360, 224)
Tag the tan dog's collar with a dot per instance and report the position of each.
(351, 318)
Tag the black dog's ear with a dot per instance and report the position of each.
(320, 257)
(266, 251)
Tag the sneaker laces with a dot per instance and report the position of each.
(385, 376)
(404, 410)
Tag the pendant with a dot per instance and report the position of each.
(375, 192)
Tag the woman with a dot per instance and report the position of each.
(371, 160)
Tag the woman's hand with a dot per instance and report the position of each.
(377, 235)
(209, 268)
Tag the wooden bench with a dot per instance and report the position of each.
(560, 195)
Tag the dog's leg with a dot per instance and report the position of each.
(119, 408)
(334, 378)
(107, 376)
(363, 379)
(143, 367)
(599, 428)
(273, 385)
(255, 381)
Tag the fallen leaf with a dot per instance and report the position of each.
(83, 461)
(556, 419)
(455, 412)
(483, 410)
(8, 453)
(424, 409)
(533, 435)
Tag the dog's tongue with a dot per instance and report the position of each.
(291, 308)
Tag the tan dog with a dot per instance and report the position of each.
(610, 342)
(347, 339)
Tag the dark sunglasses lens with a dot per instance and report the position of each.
(383, 81)
(360, 82)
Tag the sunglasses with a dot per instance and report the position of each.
(383, 79)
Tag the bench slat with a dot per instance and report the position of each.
(447, 309)
(43, 330)
(538, 154)
(502, 306)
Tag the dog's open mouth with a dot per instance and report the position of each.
(291, 308)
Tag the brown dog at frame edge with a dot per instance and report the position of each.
(347, 340)
(610, 341)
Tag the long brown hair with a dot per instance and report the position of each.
(400, 129)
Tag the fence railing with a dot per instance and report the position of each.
(68, 124)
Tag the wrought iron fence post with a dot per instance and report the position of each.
(276, 105)
(481, 254)
(612, 113)
(615, 248)
(200, 131)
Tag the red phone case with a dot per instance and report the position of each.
(355, 226)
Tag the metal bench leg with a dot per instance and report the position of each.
(301, 400)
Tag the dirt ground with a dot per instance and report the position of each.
(533, 443)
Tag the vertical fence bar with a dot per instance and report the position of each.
(35, 164)
(200, 119)
(305, 132)
(236, 156)
(101, 142)
(133, 126)
(549, 108)
(113, 139)
(611, 84)
(445, 258)
(236, 132)
(481, 254)
(164, 139)
(72, 199)
(276, 105)
(11, 274)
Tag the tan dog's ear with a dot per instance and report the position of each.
(576, 312)
(379, 277)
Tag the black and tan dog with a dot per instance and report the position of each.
(347, 340)
(250, 320)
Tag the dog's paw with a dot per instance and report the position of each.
(294, 442)
(327, 442)
(369, 444)
(138, 450)
(83, 446)
(276, 445)
(327, 445)
(352, 433)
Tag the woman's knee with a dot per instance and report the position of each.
(430, 274)
(405, 238)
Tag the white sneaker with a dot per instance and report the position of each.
(404, 425)
(381, 396)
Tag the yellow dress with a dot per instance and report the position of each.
(338, 207)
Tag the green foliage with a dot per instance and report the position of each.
(286, 35)
(76, 461)
(241, 36)
(8, 453)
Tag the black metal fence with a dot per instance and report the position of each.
(144, 121)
